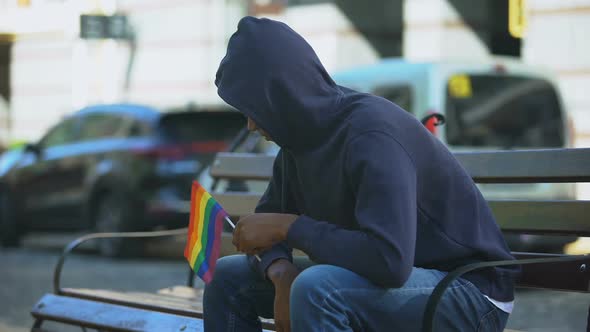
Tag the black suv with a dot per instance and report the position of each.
(112, 168)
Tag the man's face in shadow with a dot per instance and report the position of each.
(253, 127)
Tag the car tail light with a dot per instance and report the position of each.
(163, 152)
(431, 122)
(179, 151)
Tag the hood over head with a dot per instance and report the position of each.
(272, 75)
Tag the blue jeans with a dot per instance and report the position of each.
(330, 298)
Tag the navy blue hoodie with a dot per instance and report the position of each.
(376, 192)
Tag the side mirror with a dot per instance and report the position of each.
(34, 148)
(433, 120)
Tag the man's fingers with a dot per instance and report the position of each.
(246, 243)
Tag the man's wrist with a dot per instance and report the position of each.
(280, 268)
(284, 226)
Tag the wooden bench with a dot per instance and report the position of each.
(127, 311)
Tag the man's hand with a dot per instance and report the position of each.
(282, 273)
(258, 232)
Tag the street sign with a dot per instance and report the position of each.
(517, 18)
(103, 27)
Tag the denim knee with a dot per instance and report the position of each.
(233, 300)
(222, 269)
(225, 268)
(316, 300)
(312, 285)
(229, 270)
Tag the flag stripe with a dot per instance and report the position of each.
(204, 264)
(208, 214)
(219, 220)
(189, 235)
(199, 231)
(195, 221)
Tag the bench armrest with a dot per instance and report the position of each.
(77, 242)
(437, 293)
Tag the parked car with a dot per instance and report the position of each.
(499, 103)
(112, 168)
(9, 158)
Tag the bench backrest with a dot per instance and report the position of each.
(564, 217)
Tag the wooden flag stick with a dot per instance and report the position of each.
(234, 227)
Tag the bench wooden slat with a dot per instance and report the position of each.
(177, 300)
(237, 203)
(527, 166)
(565, 276)
(528, 216)
(100, 315)
(249, 166)
(143, 300)
(543, 217)
(523, 166)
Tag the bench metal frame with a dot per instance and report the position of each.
(533, 166)
(438, 292)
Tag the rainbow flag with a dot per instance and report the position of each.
(204, 232)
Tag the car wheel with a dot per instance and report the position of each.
(112, 214)
(9, 232)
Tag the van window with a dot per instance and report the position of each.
(503, 112)
(62, 133)
(401, 95)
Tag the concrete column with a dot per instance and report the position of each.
(331, 33)
(557, 38)
(435, 29)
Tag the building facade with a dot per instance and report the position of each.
(173, 48)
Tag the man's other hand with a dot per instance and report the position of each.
(282, 273)
(258, 232)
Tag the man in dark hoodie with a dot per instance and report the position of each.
(380, 206)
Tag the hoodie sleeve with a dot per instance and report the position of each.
(382, 177)
(270, 202)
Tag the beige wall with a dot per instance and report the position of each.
(331, 35)
(179, 46)
(433, 29)
(54, 72)
(180, 42)
(557, 38)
